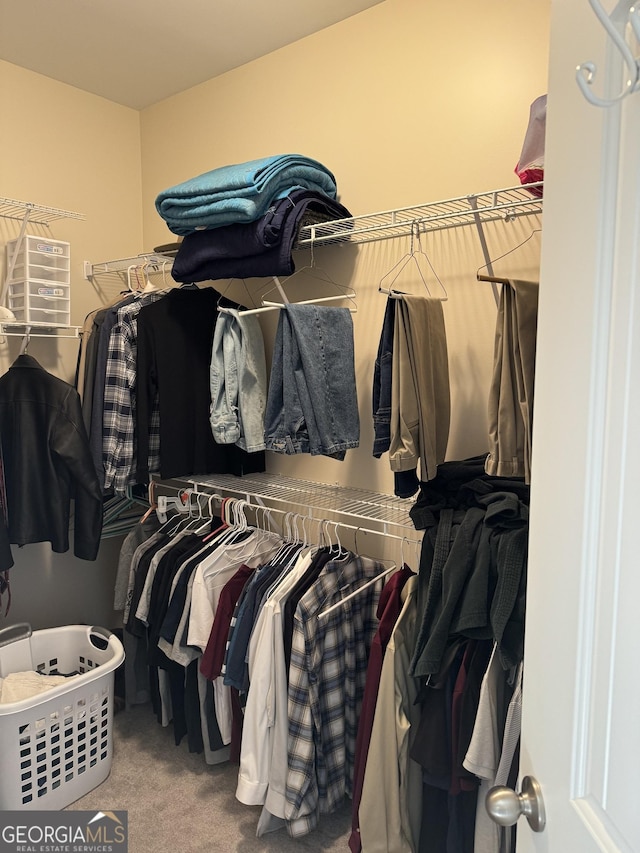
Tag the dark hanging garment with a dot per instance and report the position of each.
(175, 337)
(47, 461)
(6, 557)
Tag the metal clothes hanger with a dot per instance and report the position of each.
(312, 270)
(268, 305)
(315, 272)
(415, 254)
(235, 305)
(500, 279)
(26, 340)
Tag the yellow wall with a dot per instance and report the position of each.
(71, 150)
(407, 102)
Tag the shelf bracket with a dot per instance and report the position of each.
(14, 257)
(473, 202)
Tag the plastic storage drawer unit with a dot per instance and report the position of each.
(39, 280)
(57, 746)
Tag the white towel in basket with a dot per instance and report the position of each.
(23, 685)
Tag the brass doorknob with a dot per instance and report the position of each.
(505, 806)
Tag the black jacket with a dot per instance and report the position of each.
(47, 461)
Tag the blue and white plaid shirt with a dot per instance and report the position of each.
(327, 675)
(119, 443)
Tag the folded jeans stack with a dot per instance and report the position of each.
(253, 249)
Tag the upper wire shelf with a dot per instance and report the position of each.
(37, 214)
(312, 497)
(35, 330)
(121, 268)
(505, 204)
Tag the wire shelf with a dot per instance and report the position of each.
(37, 214)
(33, 330)
(316, 499)
(121, 268)
(504, 205)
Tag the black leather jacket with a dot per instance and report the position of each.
(47, 461)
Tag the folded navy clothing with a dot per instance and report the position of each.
(240, 193)
(254, 249)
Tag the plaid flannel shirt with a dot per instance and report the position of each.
(119, 419)
(327, 675)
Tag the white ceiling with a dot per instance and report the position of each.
(137, 52)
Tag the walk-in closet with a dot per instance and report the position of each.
(317, 376)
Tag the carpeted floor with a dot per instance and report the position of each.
(176, 802)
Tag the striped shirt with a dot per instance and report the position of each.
(119, 445)
(327, 675)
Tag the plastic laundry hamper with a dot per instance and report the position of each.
(57, 746)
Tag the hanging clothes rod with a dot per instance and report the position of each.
(277, 306)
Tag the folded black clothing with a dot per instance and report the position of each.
(254, 249)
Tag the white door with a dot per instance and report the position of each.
(581, 716)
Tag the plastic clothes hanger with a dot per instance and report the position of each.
(151, 489)
(148, 286)
(233, 515)
(132, 271)
(392, 568)
(220, 531)
(501, 279)
(180, 503)
(418, 256)
(287, 537)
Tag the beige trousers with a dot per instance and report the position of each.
(420, 395)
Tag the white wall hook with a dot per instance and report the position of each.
(586, 72)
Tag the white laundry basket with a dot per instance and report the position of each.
(57, 746)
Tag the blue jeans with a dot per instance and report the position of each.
(238, 377)
(312, 404)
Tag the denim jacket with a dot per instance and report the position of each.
(238, 381)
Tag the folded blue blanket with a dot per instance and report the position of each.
(252, 249)
(240, 193)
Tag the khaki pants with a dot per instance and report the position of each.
(420, 396)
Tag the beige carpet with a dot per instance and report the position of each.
(176, 802)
